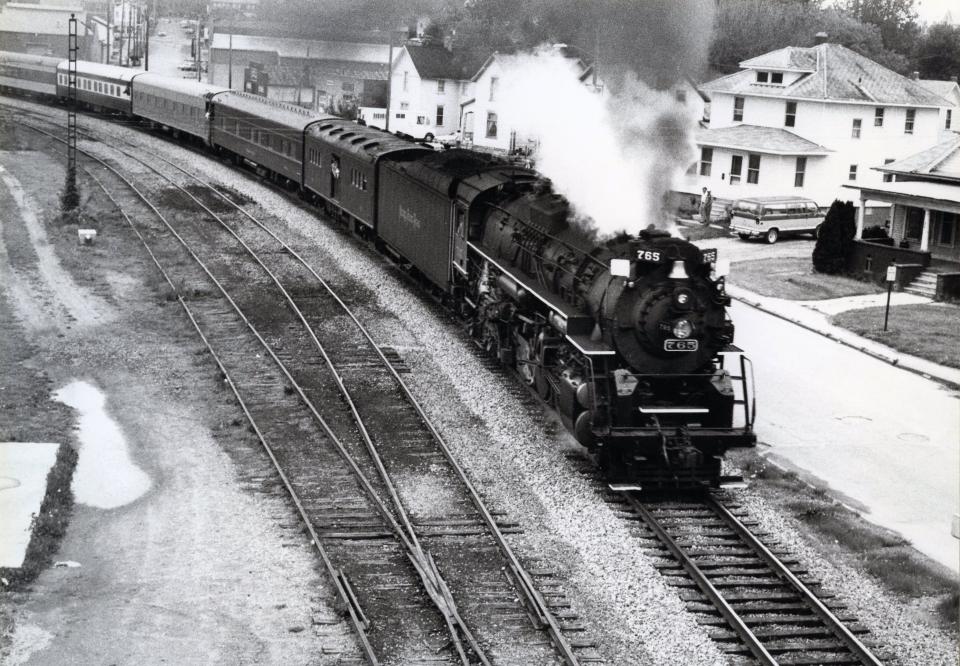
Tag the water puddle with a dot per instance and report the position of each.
(105, 477)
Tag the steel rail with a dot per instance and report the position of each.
(357, 618)
(522, 579)
(428, 575)
(754, 644)
(831, 621)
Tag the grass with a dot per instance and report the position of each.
(48, 526)
(841, 535)
(793, 278)
(925, 330)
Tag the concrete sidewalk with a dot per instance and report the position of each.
(815, 316)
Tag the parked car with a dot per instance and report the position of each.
(771, 218)
(188, 66)
(161, 34)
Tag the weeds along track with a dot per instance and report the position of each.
(757, 607)
(421, 564)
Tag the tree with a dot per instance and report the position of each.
(746, 28)
(835, 241)
(938, 52)
(896, 19)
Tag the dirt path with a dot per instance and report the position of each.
(209, 565)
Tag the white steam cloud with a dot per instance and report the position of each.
(613, 156)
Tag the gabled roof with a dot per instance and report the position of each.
(757, 139)
(941, 162)
(949, 90)
(434, 62)
(834, 73)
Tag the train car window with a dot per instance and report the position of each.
(363, 181)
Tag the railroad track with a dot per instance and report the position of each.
(753, 597)
(420, 563)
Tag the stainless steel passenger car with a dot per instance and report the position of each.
(99, 86)
(264, 131)
(340, 165)
(179, 104)
(25, 73)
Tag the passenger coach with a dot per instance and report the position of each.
(22, 72)
(265, 132)
(99, 86)
(180, 105)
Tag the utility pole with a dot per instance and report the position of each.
(199, 62)
(70, 199)
(123, 21)
(146, 44)
(389, 82)
(230, 61)
(109, 27)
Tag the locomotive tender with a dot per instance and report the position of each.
(625, 338)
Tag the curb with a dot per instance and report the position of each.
(894, 361)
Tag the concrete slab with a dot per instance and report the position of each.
(23, 483)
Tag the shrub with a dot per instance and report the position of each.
(835, 242)
(874, 232)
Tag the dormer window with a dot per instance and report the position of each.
(775, 78)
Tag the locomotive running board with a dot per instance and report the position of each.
(625, 487)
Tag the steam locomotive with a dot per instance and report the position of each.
(626, 338)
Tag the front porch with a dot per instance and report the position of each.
(921, 236)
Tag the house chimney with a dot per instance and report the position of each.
(953, 79)
(915, 76)
(820, 38)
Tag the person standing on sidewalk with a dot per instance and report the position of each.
(706, 204)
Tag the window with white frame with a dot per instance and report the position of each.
(878, 117)
(706, 161)
(441, 86)
(790, 119)
(910, 120)
(738, 109)
(736, 168)
(949, 120)
(491, 125)
(753, 169)
(801, 172)
(855, 130)
(439, 115)
(852, 174)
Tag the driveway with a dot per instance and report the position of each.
(735, 249)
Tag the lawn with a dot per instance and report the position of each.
(925, 330)
(793, 278)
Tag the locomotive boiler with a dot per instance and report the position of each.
(627, 338)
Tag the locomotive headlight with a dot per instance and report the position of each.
(682, 329)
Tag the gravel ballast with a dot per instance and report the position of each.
(517, 458)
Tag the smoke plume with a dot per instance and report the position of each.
(616, 154)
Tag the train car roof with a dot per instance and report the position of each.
(30, 58)
(179, 85)
(445, 169)
(99, 69)
(367, 143)
(295, 117)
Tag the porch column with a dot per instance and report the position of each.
(925, 235)
(860, 214)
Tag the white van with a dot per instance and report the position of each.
(772, 217)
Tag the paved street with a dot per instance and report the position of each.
(885, 439)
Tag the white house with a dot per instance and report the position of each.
(426, 87)
(808, 121)
(950, 91)
(486, 122)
